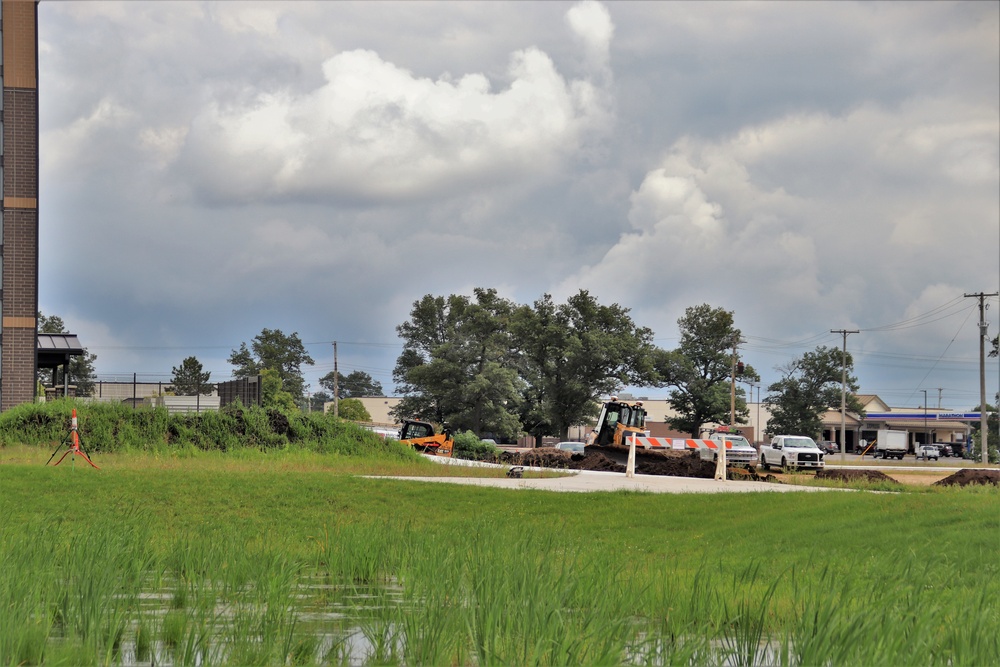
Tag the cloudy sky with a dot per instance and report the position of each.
(209, 169)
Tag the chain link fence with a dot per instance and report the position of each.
(154, 389)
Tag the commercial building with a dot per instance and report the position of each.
(19, 180)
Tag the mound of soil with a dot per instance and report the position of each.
(965, 477)
(599, 462)
(677, 466)
(674, 463)
(845, 475)
(747, 475)
(543, 457)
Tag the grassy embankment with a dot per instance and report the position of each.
(234, 544)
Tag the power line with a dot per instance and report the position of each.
(920, 320)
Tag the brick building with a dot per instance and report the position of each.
(19, 179)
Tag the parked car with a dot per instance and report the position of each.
(928, 452)
(944, 449)
(828, 447)
(571, 447)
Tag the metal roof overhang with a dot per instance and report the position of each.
(54, 350)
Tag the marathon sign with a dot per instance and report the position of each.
(938, 416)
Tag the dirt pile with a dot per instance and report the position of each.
(543, 457)
(599, 462)
(967, 476)
(747, 475)
(845, 475)
(689, 465)
(674, 463)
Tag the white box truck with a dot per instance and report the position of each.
(891, 444)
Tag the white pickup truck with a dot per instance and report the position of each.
(740, 451)
(791, 451)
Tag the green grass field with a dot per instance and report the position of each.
(453, 575)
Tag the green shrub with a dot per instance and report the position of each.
(469, 446)
(115, 427)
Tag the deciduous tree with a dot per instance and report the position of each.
(573, 353)
(456, 365)
(272, 392)
(700, 370)
(810, 385)
(354, 385)
(353, 409)
(273, 350)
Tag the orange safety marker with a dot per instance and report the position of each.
(72, 440)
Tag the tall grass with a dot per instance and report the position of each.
(288, 563)
(494, 595)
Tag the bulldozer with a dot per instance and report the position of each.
(421, 436)
(618, 421)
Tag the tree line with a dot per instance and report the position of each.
(486, 364)
(500, 369)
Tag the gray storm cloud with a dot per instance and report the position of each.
(792, 197)
(212, 168)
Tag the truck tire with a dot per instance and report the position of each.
(763, 463)
(784, 464)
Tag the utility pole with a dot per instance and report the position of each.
(336, 391)
(732, 379)
(983, 420)
(927, 438)
(843, 391)
(732, 386)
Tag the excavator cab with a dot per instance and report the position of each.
(421, 436)
(618, 420)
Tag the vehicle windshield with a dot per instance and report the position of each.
(737, 440)
(799, 442)
(633, 415)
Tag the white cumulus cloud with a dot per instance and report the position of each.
(591, 22)
(373, 130)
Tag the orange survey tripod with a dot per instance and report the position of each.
(72, 440)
